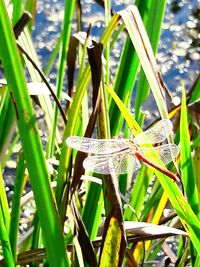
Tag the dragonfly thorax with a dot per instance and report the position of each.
(134, 147)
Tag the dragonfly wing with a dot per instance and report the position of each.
(156, 134)
(105, 164)
(97, 146)
(167, 152)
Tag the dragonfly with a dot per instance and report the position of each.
(127, 153)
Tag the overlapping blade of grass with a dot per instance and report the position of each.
(195, 91)
(136, 30)
(5, 242)
(183, 209)
(137, 204)
(154, 199)
(153, 27)
(31, 143)
(114, 242)
(141, 43)
(52, 57)
(9, 150)
(91, 218)
(124, 83)
(197, 261)
(107, 49)
(4, 203)
(67, 22)
(17, 10)
(187, 173)
(85, 244)
(74, 111)
(27, 45)
(7, 123)
(196, 166)
(20, 181)
(136, 189)
(139, 189)
(30, 6)
(126, 73)
(133, 125)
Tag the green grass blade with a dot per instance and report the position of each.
(124, 80)
(133, 125)
(136, 30)
(52, 57)
(17, 10)
(9, 150)
(153, 27)
(69, 11)
(45, 101)
(31, 143)
(139, 189)
(5, 226)
(5, 242)
(4, 203)
(197, 261)
(126, 74)
(107, 49)
(20, 181)
(196, 90)
(30, 6)
(91, 219)
(7, 124)
(154, 204)
(69, 130)
(196, 166)
(187, 172)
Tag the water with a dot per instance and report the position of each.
(178, 54)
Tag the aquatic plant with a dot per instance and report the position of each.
(81, 219)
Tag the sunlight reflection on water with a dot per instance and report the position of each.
(178, 54)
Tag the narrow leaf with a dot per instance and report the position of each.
(186, 160)
(138, 35)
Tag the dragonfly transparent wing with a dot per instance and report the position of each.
(156, 134)
(122, 163)
(167, 152)
(98, 146)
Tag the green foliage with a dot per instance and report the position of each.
(77, 211)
